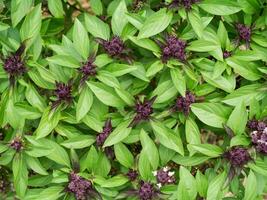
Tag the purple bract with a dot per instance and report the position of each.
(101, 137)
(79, 186)
(17, 143)
(164, 176)
(143, 110)
(237, 156)
(183, 103)
(187, 4)
(146, 191)
(64, 94)
(88, 69)
(258, 135)
(132, 174)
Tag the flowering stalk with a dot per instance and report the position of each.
(258, 135)
(17, 144)
(173, 48)
(187, 4)
(14, 65)
(64, 94)
(244, 33)
(164, 176)
(88, 69)
(183, 104)
(237, 156)
(143, 110)
(115, 48)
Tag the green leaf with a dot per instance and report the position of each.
(108, 79)
(212, 114)
(178, 80)
(117, 69)
(201, 184)
(105, 94)
(56, 8)
(79, 142)
(64, 60)
(150, 149)
(202, 46)
(115, 181)
(196, 22)
(144, 166)
(155, 23)
(123, 155)
(251, 186)
(20, 174)
(190, 161)
(35, 165)
(48, 122)
(223, 35)
(97, 27)
(238, 119)
(240, 140)
(164, 91)
(167, 137)
(96, 6)
(84, 103)
(215, 187)
(145, 43)
(154, 68)
(102, 166)
(189, 182)
(220, 7)
(31, 25)
(51, 193)
(119, 19)
(81, 45)
(258, 166)
(19, 8)
(245, 94)
(119, 133)
(192, 133)
(207, 149)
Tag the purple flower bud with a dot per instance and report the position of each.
(244, 32)
(101, 137)
(114, 47)
(79, 186)
(187, 4)
(17, 143)
(237, 156)
(4, 182)
(143, 110)
(227, 54)
(183, 103)
(14, 66)
(259, 136)
(88, 69)
(173, 48)
(164, 176)
(132, 174)
(63, 93)
(146, 191)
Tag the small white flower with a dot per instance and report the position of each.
(265, 130)
(154, 173)
(171, 173)
(159, 185)
(165, 169)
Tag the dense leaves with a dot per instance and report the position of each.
(133, 99)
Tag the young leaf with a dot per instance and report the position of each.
(97, 27)
(119, 19)
(84, 103)
(123, 155)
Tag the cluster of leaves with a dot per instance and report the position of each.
(133, 99)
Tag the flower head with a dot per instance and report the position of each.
(88, 69)
(4, 182)
(14, 65)
(244, 33)
(183, 103)
(64, 94)
(227, 54)
(173, 48)
(164, 176)
(237, 156)
(259, 135)
(143, 110)
(101, 137)
(79, 186)
(132, 174)
(146, 191)
(187, 4)
(17, 143)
